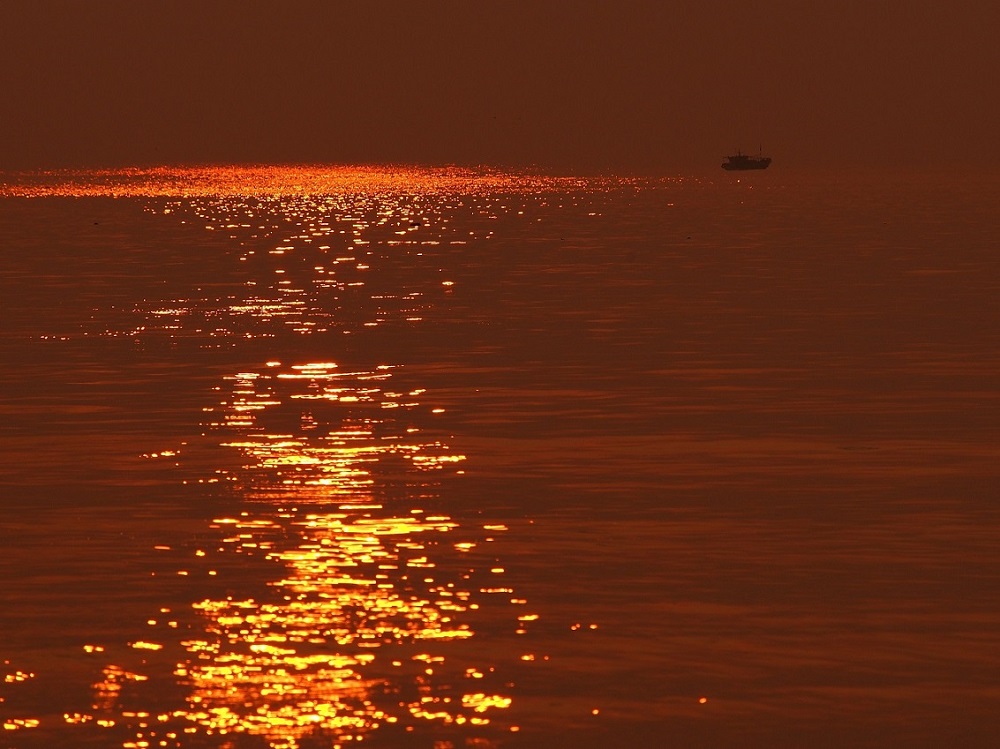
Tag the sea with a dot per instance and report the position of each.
(446, 458)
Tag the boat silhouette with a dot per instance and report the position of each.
(740, 161)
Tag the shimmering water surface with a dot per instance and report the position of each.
(325, 457)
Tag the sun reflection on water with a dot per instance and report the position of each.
(348, 637)
(316, 264)
(298, 449)
(346, 596)
(370, 592)
(358, 181)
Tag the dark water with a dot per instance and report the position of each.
(314, 458)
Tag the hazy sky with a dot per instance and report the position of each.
(630, 85)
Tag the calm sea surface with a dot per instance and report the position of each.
(313, 457)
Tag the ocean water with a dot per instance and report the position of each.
(332, 457)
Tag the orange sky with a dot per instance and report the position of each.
(584, 85)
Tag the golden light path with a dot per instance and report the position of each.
(349, 637)
(257, 181)
(361, 611)
(321, 250)
(371, 594)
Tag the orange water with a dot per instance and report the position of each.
(320, 457)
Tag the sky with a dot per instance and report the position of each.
(629, 86)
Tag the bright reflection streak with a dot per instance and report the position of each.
(276, 181)
(340, 644)
(316, 249)
(371, 594)
(306, 448)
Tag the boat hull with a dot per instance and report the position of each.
(741, 166)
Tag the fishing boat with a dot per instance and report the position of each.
(740, 161)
